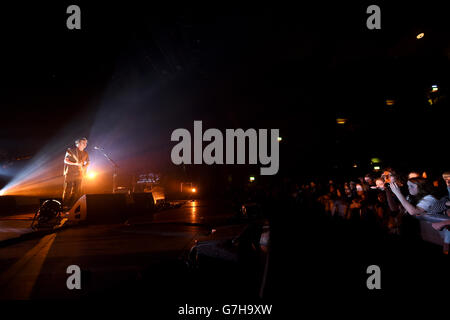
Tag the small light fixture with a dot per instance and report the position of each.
(420, 35)
(252, 178)
(279, 139)
(434, 88)
(341, 121)
(390, 102)
(375, 160)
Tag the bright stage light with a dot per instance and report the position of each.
(42, 174)
(2, 192)
(91, 175)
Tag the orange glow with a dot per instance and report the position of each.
(91, 175)
(387, 175)
(193, 213)
(413, 175)
(50, 186)
(341, 121)
(390, 102)
(40, 178)
(194, 190)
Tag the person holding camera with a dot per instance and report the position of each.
(394, 217)
(420, 199)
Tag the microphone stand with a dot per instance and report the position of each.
(115, 166)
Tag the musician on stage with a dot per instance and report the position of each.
(76, 162)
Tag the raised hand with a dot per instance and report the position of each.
(395, 188)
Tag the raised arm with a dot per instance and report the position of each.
(412, 210)
(393, 206)
(70, 162)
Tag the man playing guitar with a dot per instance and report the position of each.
(76, 161)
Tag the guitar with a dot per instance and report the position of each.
(83, 167)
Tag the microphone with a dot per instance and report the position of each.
(98, 148)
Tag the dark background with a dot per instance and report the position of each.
(135, 72)
(296, 68)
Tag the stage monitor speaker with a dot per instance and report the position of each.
(99, 209)
(143, 202)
